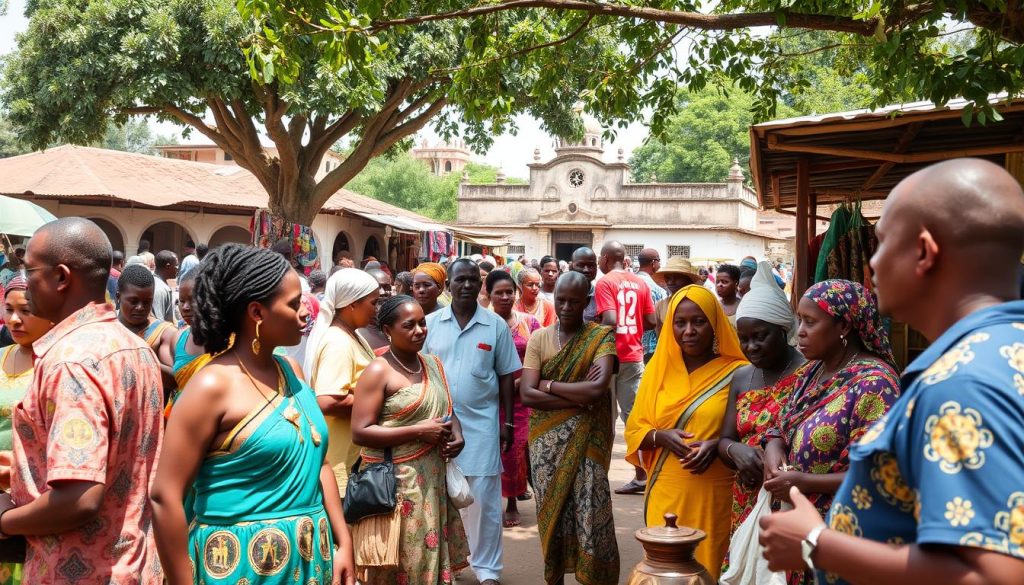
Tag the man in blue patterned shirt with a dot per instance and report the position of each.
(650, 262)
(935, 490)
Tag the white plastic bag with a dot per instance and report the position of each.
(747, 566)
(458, 486)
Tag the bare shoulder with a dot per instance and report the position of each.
(213, 382)
(296, 368)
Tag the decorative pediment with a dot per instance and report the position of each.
(572, 214)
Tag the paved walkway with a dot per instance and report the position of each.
(523, 562)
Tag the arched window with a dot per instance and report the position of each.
(447, 166)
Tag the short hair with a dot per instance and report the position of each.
(190, 244)
(144, 246)
(231, 277)
(486, 266)
(117, 257)
(547, 259)
(201, 251)
(136, 275)
(644, 258)
(344, 254)
(283, 247)
(730, 269)
(79, 244)
(317, 278)
(387, 311)
(747, 272)
(165, 258)
(405, 278)
(497, 276)
(572, 278)
(584, 250)
(460, 262)
(528, 271)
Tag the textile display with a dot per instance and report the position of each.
(436, 245)
(267, 229)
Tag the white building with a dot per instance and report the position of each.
(576, 199)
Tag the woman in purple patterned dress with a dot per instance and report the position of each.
(848, 383)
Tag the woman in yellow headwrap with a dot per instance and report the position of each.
(673, 429)
(428, 280)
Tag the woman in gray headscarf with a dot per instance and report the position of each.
(766, 326)
(335, 357)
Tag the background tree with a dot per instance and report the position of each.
(132, 136)
(10, 144)
(81, 65)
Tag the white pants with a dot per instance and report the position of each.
(482, 521)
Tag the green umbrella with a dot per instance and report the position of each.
(21, 218)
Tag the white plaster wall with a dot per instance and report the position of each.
(704, 244)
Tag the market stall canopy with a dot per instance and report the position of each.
(863, 154)
(21, 218)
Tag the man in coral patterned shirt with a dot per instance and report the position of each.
(87, 434)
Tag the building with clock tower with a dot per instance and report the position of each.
(578, 199)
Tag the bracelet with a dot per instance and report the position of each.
(550, 382)
(509, 425)
(729, 453)
(654, 438)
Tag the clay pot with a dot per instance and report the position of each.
(668, 556)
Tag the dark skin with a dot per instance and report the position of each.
(726, 287)
(743, 287)
(674, 281)
(612, 258)
(464, 282)
(370, 333)
(696, 338)
(570, 301)
(136, 305)
(385, 376)
(426, 291)
(56, 291)
(818, 339)
(348, 319)
(216, 399)
(925, 238)
(549, 274)
(185, 307)
(584, 261)
(772, 359)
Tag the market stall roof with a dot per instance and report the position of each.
(96, 174)
(863, 154)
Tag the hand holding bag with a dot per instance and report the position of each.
(458, 486)
(372, 489)
(747, 566)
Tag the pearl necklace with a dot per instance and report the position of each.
(401, 365)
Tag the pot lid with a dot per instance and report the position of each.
(670, 533)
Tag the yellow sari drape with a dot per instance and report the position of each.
(670, 397)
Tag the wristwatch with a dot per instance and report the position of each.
(809, 543)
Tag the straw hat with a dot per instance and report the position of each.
(676, 265)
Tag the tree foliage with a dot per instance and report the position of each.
(10, 144)
(81, 65)
(132, 136)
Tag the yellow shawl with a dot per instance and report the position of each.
(667, 389)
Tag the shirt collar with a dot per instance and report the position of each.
(447, 315)
(91, 313)
(1008, 312)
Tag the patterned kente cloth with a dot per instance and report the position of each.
(433, 544)
(259, 506)
(946, 466)
(569, 453)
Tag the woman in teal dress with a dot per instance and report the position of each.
(189, 356)
(16, 367)
(247, 437)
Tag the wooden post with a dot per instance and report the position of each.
(802, 278)
(812, 222)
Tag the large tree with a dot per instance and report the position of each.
(693, 43)
(235, 76)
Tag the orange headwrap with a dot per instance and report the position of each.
(435, 271)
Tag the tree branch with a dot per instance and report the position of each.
(695, 20)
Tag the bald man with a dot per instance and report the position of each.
(584, 261)
(89, 427)
(624, 303)
(935, 490)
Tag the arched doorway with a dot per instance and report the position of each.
(230, 234)
(112, 231)
(166, 235)
(341, 243)
(372, 248)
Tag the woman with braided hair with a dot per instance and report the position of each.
(246, 435)
(403, 404)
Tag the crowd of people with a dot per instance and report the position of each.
(219, 424)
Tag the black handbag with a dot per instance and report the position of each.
(371, 490)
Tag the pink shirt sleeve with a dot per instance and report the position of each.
(79, 425)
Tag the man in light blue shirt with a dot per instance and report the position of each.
(479, 357)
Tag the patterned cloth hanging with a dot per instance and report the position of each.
(267, 229)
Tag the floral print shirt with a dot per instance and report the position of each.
(946, 465)
(93, 413)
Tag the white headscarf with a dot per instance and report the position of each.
(343, 288)
(766, 301)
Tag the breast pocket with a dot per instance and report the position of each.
(483, 363)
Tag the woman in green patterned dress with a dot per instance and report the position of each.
(246, 435)
(402, 404)
(16, 366)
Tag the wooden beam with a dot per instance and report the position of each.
(901, 146)
(803, 191)
(812, 216)
(920, 157)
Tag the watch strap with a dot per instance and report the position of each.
(810, 543)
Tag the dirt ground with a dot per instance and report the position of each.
(523, 563)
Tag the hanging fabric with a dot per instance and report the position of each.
(267, 229)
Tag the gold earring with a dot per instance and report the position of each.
(256, 340)
(714, 346)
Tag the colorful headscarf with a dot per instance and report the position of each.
(434, 270)
(16, 283)
(856, 305)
